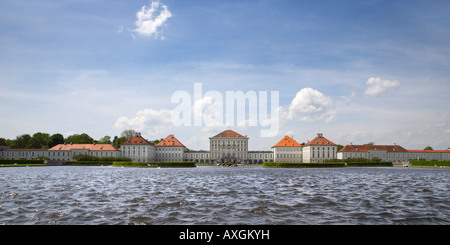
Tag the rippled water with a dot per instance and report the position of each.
(213, 195)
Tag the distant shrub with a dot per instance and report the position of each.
(83, 157)
(184, 164)
(424, 163)
(12, 161)
(361, 162)
(348, 160)
(369, 164)
(301, 165)
(88, 163)
(327, 164)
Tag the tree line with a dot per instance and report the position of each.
(41, 140)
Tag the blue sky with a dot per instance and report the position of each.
(357, 71)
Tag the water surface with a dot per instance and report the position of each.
(71, 195)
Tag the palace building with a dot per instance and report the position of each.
(61, 152)
(138, 149)
(227, 146)
(392, 153)
(319, 149)
(170, 149)
(287, 150)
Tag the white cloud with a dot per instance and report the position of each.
(311, 105)
(379, 86)
(208, 110)
(153, 122)
(151, 18)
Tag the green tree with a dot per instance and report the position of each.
(428, 148)
(118, 141)
(55, 139)
(38, 141)
(6, 141)
(129, 133)
(157, 141)
(79, 139)
(105, 140)
(21, 141)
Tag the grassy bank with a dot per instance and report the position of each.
(88, 163)
(301, 165)
(325, 165)
(369, 164)
(186, 164)
(430, 164)
(21, 163)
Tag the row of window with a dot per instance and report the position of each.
(165, 155)
(328, 155)
(169, 149)
(224, 148)
(239, 155)
(398, 155)
(282, 155)
(323, 148)
(290, 149)
(228, 143)
(53, 153)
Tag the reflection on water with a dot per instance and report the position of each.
(213, 195)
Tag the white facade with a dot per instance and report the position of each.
(319, 153)
(396, 156)
(228, 145)
(139, 153)
(319, 149)
(138, 149)
(55, 155)
(170, 153)
(258, 157)
(288, 154)
(23, 154)
(170, 150)
(198, 156)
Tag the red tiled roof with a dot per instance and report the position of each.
(137, 140)
(91, 147)
(170, 141)
(287, 141)
(229, 134)
(430, 151)
(319, 140)
(366, 148)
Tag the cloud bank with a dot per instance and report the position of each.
(151, 121)
(311, 105)
(378, 86)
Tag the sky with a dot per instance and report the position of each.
(356, 71)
